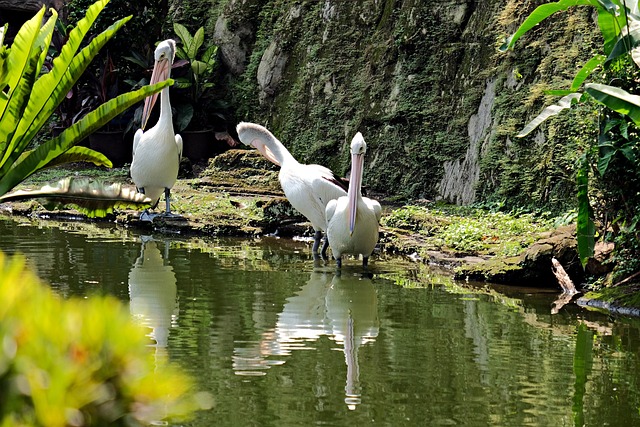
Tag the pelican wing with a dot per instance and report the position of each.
(179, 144)
(136, 140)
(331, 209)
(326, 185)
(374, 205)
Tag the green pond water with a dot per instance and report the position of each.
(280, 340)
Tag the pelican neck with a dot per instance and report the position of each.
(165, 108)
(280, 152)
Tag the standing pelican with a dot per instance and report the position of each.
(157, 152)
(352, 220)
(308, 187)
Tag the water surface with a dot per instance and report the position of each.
(281, 340)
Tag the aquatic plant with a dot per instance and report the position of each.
(79, 361)
(28, 99)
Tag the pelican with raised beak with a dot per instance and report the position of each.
(157, 152)
(352, 220)
(307, 187)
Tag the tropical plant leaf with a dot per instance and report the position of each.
(186, 39)
(541, 13)
(626, 44)
(20, 52)
(552, 110)
(607, 152)
(81, 154)
(610, 21)
(585, 228)
(198, 67)
(616, 99)
(209, 55)
(586, 70)
(4, 67)
(197, 41)
(55, 85)
(13, 113)
(92, 197)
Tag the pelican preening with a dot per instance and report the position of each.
(352, 220)
(307, 187)
(157, 152)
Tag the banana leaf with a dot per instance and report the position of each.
(541, 13)
(93, 197)
(616, 99)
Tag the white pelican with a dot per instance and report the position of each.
(352, 220)
(307, 187)
(157, 152)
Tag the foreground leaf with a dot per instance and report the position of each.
(92, 197)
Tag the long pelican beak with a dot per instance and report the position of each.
(160, 74)
(264, 150)
(354, 188)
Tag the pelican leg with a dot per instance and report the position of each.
(316, 242)
(325, 246)
(365, 261)
(167, 199)
(339, 262)
(145, 215)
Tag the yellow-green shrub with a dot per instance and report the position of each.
(77, 362)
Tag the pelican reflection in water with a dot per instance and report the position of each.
(343, 308)
(352, 311)
(153, 290)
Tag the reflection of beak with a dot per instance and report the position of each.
(264, 150)
(354, 189)
(160, 74)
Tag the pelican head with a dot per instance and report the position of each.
(163, 56)
(258, 137)
(358, 149)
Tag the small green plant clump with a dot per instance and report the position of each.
(78, 362)
(470, 230)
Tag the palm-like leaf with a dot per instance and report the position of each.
(95, 198)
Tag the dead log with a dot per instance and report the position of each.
(569, 290)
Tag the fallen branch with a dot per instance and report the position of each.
(569, 290)
(628, 279)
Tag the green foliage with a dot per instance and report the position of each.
(621, 40)
(469, 229)
(199, 78)
(29, 99)
(78, 362)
